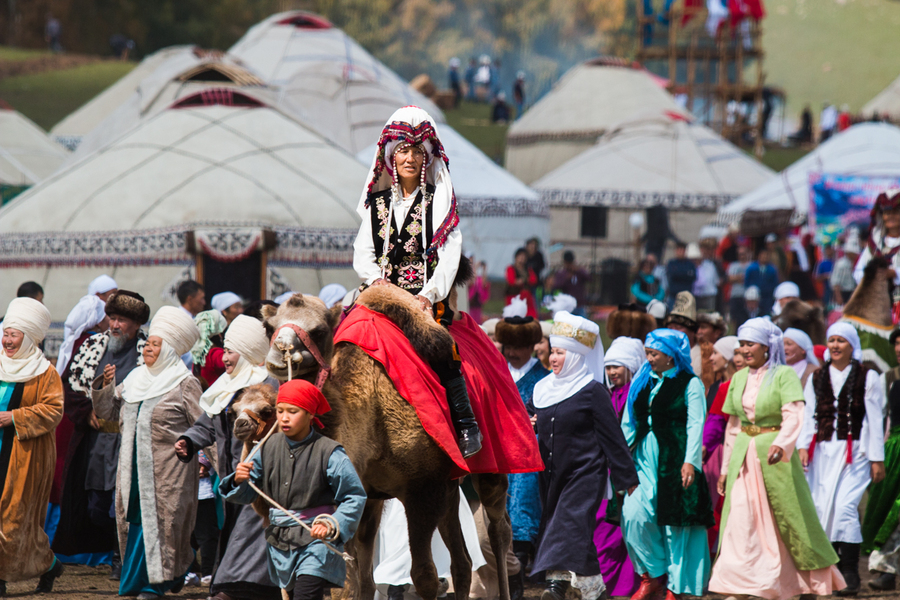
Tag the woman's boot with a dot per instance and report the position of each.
(45, 584)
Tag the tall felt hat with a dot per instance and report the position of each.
(130, 305)
(685, 311)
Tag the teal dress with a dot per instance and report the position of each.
(656, 544)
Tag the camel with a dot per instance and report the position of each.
(869, 311)
(805, 317)
(385, 440)
(255, 411)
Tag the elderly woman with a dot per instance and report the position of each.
(580, 443)
(624, 357)
(664, 424)
(843, 429)
(156, 494)
(31, 406)
(766, 516)
(799, 354)
(242, 569)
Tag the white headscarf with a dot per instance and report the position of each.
(332, 293)
(32, 318)
(786, 289)
(800, 338)
(224, 300)
(89, 311)
(726, 346)
(625, 352)
(849, 333)
(101, 285)
(763, 331)
(247, 337)
(580, 339)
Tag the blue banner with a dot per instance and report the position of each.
(837, 202)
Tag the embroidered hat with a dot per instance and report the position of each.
(685, 311)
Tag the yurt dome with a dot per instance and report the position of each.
(583, 105)
(221, 186)
(27, 154)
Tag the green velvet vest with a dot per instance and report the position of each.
(676, 506)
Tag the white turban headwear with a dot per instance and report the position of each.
(625, 352)
(800, 338)
(849, 333)
(178, 334)
(32, 318)
(726, 345)
(580, 338)
(224, 300)
(787, 289)
(247, 337)
(89, 311)
(101, 285)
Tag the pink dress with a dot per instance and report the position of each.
(753, 559)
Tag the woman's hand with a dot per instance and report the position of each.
(242, 472)
(878, 472)
(776, 453)
(6, 418)
(93, 421)
(804, 457)
(109, 374)
(720, 485)
(379, 282)
(181, 448)
(687, 475)
(424, 303)
(631, 489)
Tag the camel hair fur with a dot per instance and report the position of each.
(871, 300)
(805, 317)
(260, 400)
(385, 440)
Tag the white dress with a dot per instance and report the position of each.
(838, 487)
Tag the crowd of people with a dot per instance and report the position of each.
(672, 459)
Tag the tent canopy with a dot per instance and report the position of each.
(886, 103)
(664, 160)
(27, 154)
(865, 149)
(326, 76)
(585, 103)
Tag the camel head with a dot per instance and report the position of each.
(872, 298)
(254, 409)
(805, 317)
(300, 316)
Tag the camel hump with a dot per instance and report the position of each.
(431, 341)
(872, 298)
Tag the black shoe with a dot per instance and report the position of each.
(884, 582)
(115, 570)
(468, 435)
(2, 589)
(849, 569)
(517, 585)
(395, 592)
(45, 584)
(523, 550)
(556, 590)
(179, 585)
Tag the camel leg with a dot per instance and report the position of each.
(360, 583)
(492, 492)
(426, 505)
(451, 533)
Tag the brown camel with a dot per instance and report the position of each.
(255, 411)
(869, 311)
(385, 440)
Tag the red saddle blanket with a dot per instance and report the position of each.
(509, 446)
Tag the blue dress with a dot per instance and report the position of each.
(524, 494)
(680, 552)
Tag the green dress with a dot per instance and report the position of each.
(786, 487)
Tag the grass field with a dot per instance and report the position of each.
(473, 121)
(46, 98)
(17, 54)
(843, 51)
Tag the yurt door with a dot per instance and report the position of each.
(232, 260)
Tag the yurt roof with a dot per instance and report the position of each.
(323, 73)
(181, 76)
(886, 103)
(215, 161)
(664, 160)
(871, 149)
(27, 154)
(70, 130)
(588, 100)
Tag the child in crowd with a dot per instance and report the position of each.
(311, 476)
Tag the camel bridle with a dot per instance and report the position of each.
(324, 368)
(262, 425)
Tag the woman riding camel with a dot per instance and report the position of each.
(409, 237)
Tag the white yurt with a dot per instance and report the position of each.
(345, 93)
(584, 104)
(885, 104)
(27, 154)
(663, 161)
(70, 130)
(865, 149)
(220, 187)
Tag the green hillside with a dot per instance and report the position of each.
(843, 51)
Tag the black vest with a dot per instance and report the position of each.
(405, 265)
(296, 478)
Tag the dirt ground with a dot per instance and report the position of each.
(49, 62)
(84, 583)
